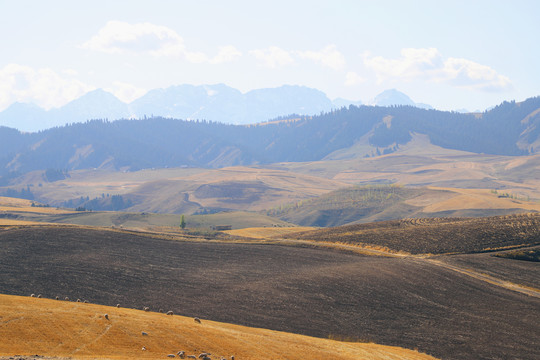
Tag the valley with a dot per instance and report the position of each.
(359, 233)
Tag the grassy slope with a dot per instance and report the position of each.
(79, 330)
(19, 211)
(267, 232)
(362, 204)
(256, 188)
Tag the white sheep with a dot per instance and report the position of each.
(144, 334)
(169, 312)
(106, 316)
(181, 354)
(146, 308)
(170, 355)
(197, 320)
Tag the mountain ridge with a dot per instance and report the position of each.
(216, 102)
(354, 132)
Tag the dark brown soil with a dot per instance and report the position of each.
(394, 301)
(520, 272)
(437, 235)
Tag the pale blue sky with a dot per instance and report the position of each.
(449, 54)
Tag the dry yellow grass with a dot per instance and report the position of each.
(8, 204)
(78, 330)
(478, 199)
(11, 222)
(268, 232)
(8, 201)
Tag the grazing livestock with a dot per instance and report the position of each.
(169, 312)
(117, 305)
(144, 334)
(197, 320)
(170, 355)
(181, 354)
(39, 296)
(146, 308)
(106, 316)
(32, 295)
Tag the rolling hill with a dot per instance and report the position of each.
(426, 303)
(81, 331)
(437, 235)
(508, 129)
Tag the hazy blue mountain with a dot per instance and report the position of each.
(224, 104)
(394, 97)
(264, 104)
(97, 104)
(190, 102)
(218, 102)
(24, 117)
(508, 129)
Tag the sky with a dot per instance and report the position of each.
(453, 55)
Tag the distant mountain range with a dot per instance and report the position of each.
(508, 129)
(219, 103)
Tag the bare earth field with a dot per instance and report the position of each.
(437, 235)
(398, 301)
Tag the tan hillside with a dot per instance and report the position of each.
(30, 325)
(268, 232)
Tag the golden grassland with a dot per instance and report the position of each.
(8, 204)
(30, 325)
(268, 232)
(479, 199)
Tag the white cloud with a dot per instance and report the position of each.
(413, 64)
(466, 73)
(352, 79)
(43, 87)
(429, 64)
(226, 54)
(118, 37)
(125, 92)
(329, 56)
(273, 56)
